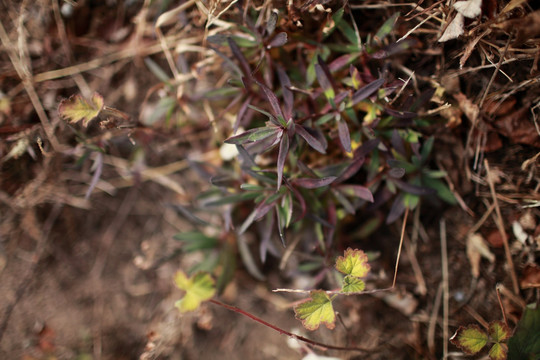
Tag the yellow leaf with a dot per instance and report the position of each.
(77, 108)
(354, 263)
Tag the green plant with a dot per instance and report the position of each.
(524, 344)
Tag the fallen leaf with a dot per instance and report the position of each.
(469, 8)
(518, 127)
(454, 29)
(469, 108)
(526, 28)
(530, 277)
(476, 249)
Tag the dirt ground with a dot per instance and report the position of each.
(92, 277)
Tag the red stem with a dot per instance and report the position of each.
(281, 331)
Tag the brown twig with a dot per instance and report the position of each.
(285, 332)
(400, 246)
(500, 226)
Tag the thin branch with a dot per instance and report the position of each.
(500, 226)
(446, 295)
(285, 332)
(400, 246)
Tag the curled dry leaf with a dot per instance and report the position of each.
(454, 29)
(469, 8)
(476, 249)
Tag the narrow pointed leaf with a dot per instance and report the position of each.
(351, 169)
(314, 183)
(344, 135)
(282, 156)
(413, 189)
(288, 98)
(272, 98)
(244, 64)
(278, 40)
(359, 191)
(324, 81)
(252, 135)
(310, 139)
(400, 114)
(366, 91)
(316, 311)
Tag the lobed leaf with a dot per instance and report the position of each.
(198, 288)
(352, 284)
(498, 331)
(498, 351)
(354, 263)
(470, 339)
(316, 311)
(77, 108)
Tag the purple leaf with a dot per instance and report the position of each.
(288, 98)
(352, 169)
(314, 183)
(341, 61)
(271, 23)
(98, 168)
(413, 189)
(310, 139)
(400, 114)
(324, 82)
(359, 191)
(326, 71)
(282, 156)
(366, 148)
(264, 144)
(344, 136)
(266, 235)
(298, 197)
(366, 91)
(241, 112)
(244, 65)
(272, 98)
(395, 48)
(247, 159)
(396, 172)
(397, 143)
(278, 40)
(398, 208)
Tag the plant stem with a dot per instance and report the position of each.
(285, 332)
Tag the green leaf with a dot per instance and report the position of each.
(498, 351)
(316, 311)
(195, 240)
(354, 263)
(198, 288)
(498, 331)
(525, 343)
(77, 108)
(470, 339)
(386, 28)
(352, 284)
